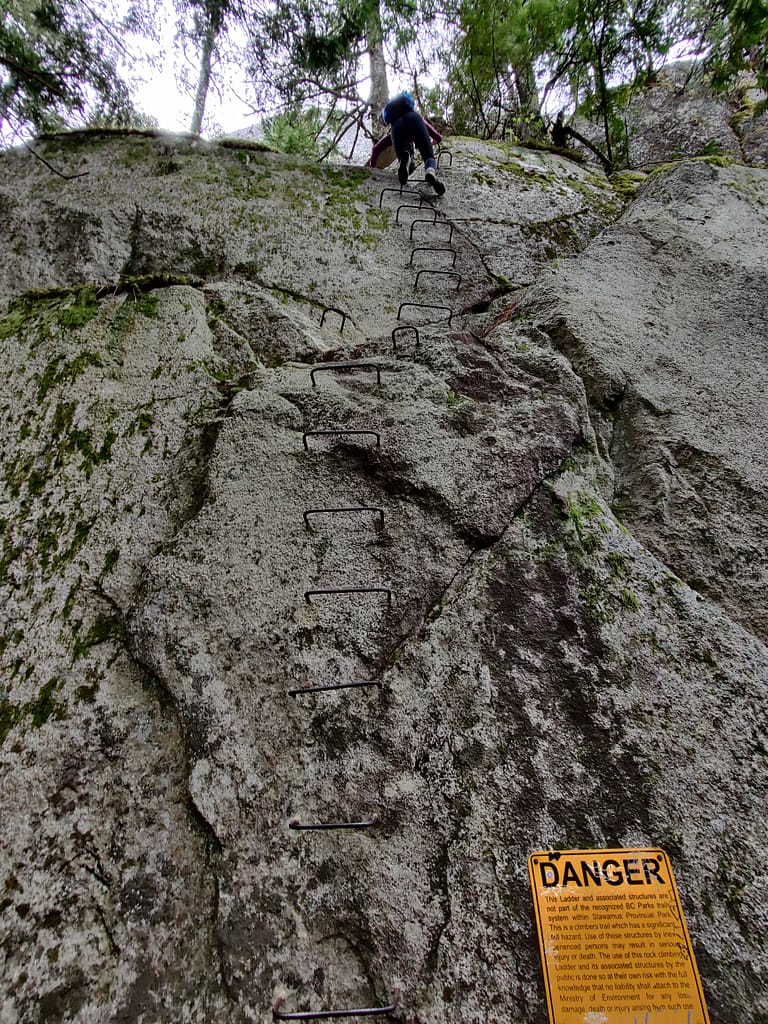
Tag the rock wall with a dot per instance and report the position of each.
(558, 513)
(677, 115)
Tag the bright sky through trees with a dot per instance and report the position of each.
(326, 67)
(158, 72)
(157, 69)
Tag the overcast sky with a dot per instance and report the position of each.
(157, 89)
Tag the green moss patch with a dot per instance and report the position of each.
(60, 372)
(627, 183)
(104, 628)
(38, 711)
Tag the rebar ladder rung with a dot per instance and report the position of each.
(326, 826)
(423, 305)
(432, 223)
(345, 366)
(338, 591)
(370, 1011)
(403, 192)
(442, 273)
(356, 683)
(334, 309)
(338, 433)
(420, 209)
(349, 508)
(433, 248)
(399, 330)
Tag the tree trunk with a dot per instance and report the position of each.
(203, 80)
(604, 100)
(607, 167)
(379, 93)
(525, 84)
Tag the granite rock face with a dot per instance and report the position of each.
(678, 114)
(538, 533)
(671, 348)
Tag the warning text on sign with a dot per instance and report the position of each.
(614, 945)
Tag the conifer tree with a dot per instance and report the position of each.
(57, 66)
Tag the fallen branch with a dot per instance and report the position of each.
(66, 177)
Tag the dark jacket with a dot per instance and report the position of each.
(385, 143)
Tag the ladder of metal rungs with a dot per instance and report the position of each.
(278, 1013)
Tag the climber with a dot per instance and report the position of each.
(407, 127)
(560, 132)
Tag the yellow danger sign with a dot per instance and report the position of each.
(614, 945)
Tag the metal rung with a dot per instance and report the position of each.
(336, 686)
(399, 330)
(371, 1011)
(338, 433)
(324, 826)
(432, 248)
(445, 152)
(350, 508)
(334, 591)
(420, 209)
(421, 305)
(403, 192)
(432, 223)
(443, 273)
(346, 366)
(334, 309)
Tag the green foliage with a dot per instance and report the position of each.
(297, 132)
(626, 185)
(493, 62)
(202, 27)
(146, 304)
(507, 56)
(610, 40)
(110, 561)
(735, 32)
(304, 49)
(55, 373)
(106, 627)
(317, 53)
(83, 308)
(711, 148)
(58, 67)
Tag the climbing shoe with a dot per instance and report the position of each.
(434, 181)
(402, 170)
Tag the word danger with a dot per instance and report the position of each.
(632, 870)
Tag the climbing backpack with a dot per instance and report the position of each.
(397, 106)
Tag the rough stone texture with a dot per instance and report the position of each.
(671, 347)
(549, 676)
(105, 863)
(678, 115)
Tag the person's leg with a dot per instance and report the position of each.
(420, 135)
(401, 140)
(411, 128)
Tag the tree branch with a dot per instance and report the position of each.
(66, 177)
